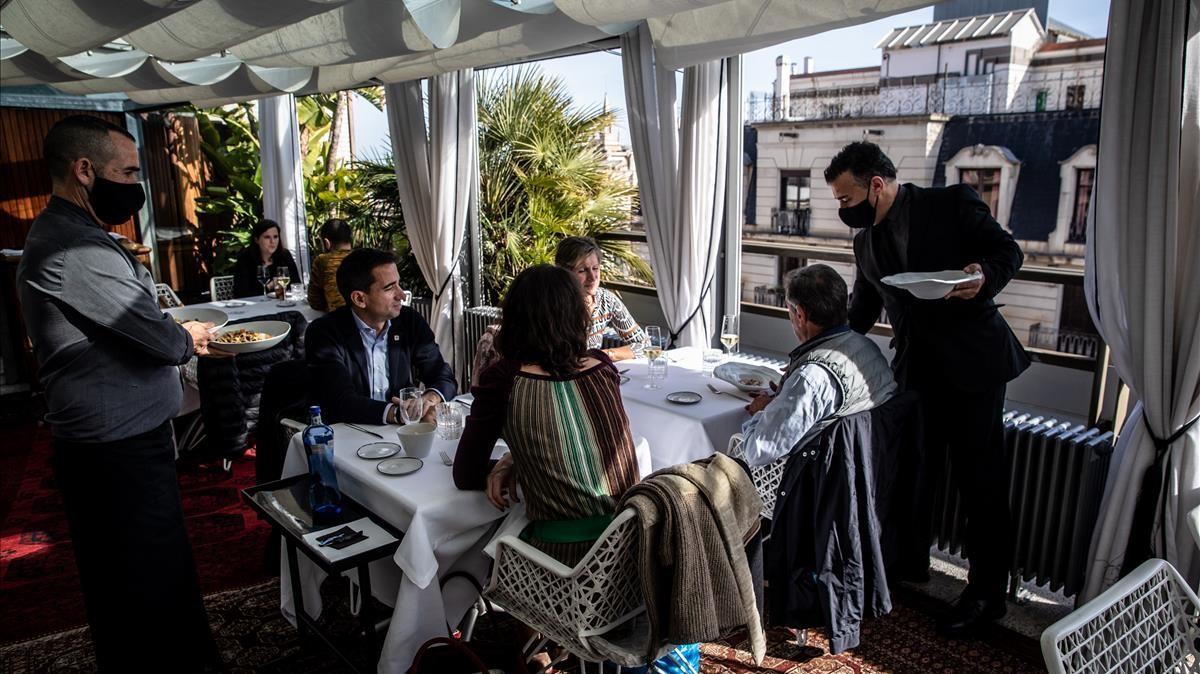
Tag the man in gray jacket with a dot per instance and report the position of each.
(834, 373)
(108, 356)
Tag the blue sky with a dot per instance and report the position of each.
(593, 77)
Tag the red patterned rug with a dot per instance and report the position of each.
(37, 564)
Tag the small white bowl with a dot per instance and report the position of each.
(278, 331)
(929, 285)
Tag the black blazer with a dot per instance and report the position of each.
(337, 364)
(964, 343)
(245, 270)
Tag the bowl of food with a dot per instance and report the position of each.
(250, 337)
(204, 315)
(747, 377)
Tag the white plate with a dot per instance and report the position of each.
(684, 398)
(233, 303)
(184, 314)
(278, 330)
(378, 450)
(624, 378)
(401, 466)
(747, 377)
(929, 285)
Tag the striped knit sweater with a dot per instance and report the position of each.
(569, 436)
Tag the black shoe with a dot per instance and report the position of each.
(969, 616)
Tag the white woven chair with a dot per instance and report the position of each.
(583, 608)
(167, 298)
(220, 288)
(766, 478)
(1146, 622)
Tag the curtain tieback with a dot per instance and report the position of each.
(1150, 500)
(1162, 444)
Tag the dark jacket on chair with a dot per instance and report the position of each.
(844, 515)
(964, 342)
(339, 380)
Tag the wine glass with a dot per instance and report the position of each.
(730, 335)
(264, 277)
(654, 342)
(656, 362)
(282, 279)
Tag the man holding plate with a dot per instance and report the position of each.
(957, 352)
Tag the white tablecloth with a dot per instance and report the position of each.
(444, 529)
(681, 433)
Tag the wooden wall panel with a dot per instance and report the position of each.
(24, 177)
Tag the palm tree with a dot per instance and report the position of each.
(543, 177)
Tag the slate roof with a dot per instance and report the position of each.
(1041, 141)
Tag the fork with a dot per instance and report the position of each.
(718, 391)
(445, 458)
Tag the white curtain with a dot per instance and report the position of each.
(283, 173)
(1143, 282)
(681, 167)
(434, 169)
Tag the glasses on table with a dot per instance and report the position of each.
(449, 421)
(730, 333)
(656, 362)
(282, 279)
(412, 404)
(264, 277)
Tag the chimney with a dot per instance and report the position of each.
(808, 65)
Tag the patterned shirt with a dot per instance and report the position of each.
(608, 311)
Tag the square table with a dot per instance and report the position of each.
(682, 433)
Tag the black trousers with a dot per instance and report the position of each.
(966, 426)
(135, 561)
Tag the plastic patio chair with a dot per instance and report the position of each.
(595, 610)
(1146, 622)
(167, 299)
(766, 478)
(220, 288)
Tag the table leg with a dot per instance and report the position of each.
(297, 589)
(365, 612)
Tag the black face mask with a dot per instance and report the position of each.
(115, 202)
(859, 215)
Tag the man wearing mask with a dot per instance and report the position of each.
(957, 353)
(107, 356)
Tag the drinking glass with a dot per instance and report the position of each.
(282, 279)
(654, 342)
(712, 358)
(449, 421)
(656, 371)
(264, 277)
(412, 404)
(730, 335)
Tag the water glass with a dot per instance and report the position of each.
(449, 421)
(656, 371)
(412, 404)
(712, 358)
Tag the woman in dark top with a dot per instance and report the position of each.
(266, 248)
(558, 406)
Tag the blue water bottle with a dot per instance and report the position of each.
(324, 497)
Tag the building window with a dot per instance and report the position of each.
(985, 181)
(793, 217)
(1075, 94)
(1083, 196)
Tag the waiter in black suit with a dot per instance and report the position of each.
(361, 355)
(958, 353)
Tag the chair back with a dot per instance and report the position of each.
(220, 288)
(167, 299)
(1146, 622)
(574, 606)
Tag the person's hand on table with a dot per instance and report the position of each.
(431, 400)
(968, 289)
(760, 401)
(502, 483)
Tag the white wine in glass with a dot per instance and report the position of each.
(654, 342)
(730, 335)
(282, 280)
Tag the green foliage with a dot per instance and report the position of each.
(542, 178)
(233, 190)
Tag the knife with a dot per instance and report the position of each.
(363, 430)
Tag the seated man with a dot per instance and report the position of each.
(323, 292)
(362, 355)
(835, 372)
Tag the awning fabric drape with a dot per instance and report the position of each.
(681, 166)
(283, 174)
(1143, 283)
(167, 51)
(434, 170)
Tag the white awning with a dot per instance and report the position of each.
(174, 51)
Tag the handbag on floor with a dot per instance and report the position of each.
(447, 655)
(491, 636)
